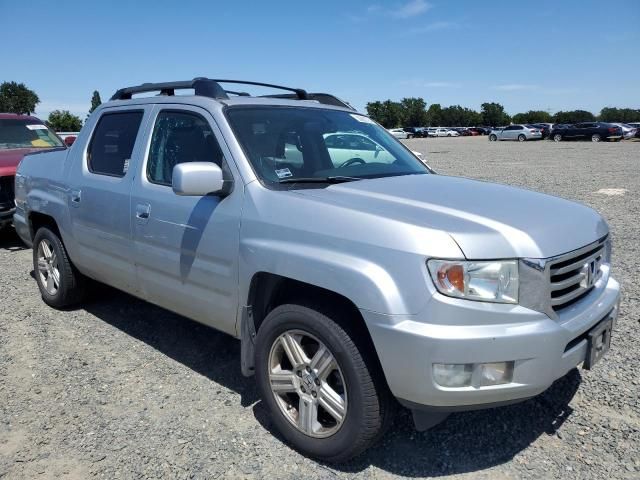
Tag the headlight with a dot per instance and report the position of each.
(493, 281)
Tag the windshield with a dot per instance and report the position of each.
(286, 143)
(26, 133)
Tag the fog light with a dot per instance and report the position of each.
(453, 375)
(496, 373)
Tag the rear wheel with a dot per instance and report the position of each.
(521, 138)
(59, 282)
(492, 138)
(596, 137)
(325, 397)
(557, 137)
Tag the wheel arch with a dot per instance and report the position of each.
(268, 291)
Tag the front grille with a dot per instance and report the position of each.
(572, 276)
(7, 193)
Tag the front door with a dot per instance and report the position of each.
(99, 197)
(187, 247)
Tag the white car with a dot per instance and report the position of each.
(398, 132)
(442, 132)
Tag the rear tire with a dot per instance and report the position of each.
(521, 138)
(557, 137)
(492, 138)
(60, 283)
(363, 406)
(596, 137)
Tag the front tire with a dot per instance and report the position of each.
(596, 137)
(557, 137)
(492, 138)
(60, 283)
(325, 398)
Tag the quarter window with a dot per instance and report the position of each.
(112, 143)
(180, 137)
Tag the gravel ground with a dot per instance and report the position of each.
(122, 389)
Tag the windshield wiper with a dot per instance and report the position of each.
(335, 179)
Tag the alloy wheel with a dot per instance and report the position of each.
(48, 270)
(595, 137)
(307, 384)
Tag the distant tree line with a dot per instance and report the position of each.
(17, 98)
(413, 112)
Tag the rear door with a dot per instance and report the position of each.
(187, 247)
(99, 196)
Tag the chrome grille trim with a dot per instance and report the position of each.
(549, 285)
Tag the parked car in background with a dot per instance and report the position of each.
(636, 125)
(445, 132)
(415, 132)
(68, 137)
(19, 135)
(628, 131)
(398, 133)
(431, 131)
(545, 128)
(352, 286)
(594, 131)
(516, 132)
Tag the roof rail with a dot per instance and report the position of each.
(202, 86)
(208, 87)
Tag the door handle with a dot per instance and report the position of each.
(76, 197)
(143, 211)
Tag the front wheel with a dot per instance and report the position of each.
(521, 138)
(60, 284)
(596, 137)
(324, 397)
(557, 137)
(492, 138)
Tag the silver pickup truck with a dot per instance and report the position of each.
(353, 275)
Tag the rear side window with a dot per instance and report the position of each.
(112, 143)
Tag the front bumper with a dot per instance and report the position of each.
(543, 349)
(6, 217)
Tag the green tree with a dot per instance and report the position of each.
(611, 114)
(493, 115)
(17, 98)
(434, 115)
(389, 114)
(95, 101)
(414, 111)
(573, 116)
(533, 116)
(64, 121)
(457, 116)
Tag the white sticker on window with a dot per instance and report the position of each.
(36, 126)
(284, 173)
(361, 118)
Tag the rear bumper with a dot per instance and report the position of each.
(543, 349)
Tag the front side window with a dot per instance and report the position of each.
(26, 133)
(180, 137)
(112, 143)
(287, 143)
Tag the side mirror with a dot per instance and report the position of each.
(68, 141)
(197, 179)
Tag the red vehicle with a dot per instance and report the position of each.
(19, 135)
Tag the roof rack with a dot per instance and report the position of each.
(208, 87)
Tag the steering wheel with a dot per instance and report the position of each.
(352, 161)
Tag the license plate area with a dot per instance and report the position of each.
(598, 342)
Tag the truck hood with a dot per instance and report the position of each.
(9, 159)
(486, 220)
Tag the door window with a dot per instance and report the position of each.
(112, 143)
(180, 137)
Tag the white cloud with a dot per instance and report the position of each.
(412, 9)
(513, 87)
